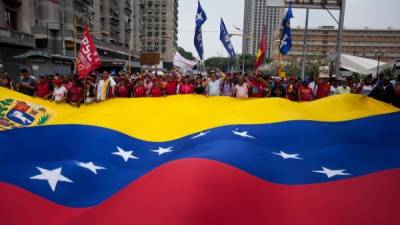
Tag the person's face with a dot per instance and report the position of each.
(25, 75)
(186, 80)
(386, 82)
(104, 75)
(241, 80)
(213, 77)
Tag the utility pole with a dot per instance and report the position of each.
(303, 65)
(62, 27)
(75, 34)
(340, 38)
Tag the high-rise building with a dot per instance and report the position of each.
(159, 20)
(15, 33)
(321, 42)
(257, 15)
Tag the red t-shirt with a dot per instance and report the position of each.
(139, 91)
(257, 89)
(155, 92)
(170, 88)
(42, 89)
(306, 93)
(75, 94)
(323, 90)
(186, 88)
(123, 91)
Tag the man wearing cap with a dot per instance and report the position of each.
(323, 86)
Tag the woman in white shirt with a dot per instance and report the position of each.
(242, 88)
(60, 92)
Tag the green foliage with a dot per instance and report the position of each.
(3, 105)
(43, 119)
(222, 63)
(185, 54)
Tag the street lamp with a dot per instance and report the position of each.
(379, 54)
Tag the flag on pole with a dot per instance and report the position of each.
(262, 50)
(286, 36)
(201, 18)
(226, 40)
(88, 59)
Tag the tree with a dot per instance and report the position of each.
(185, 54)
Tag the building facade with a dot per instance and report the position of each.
(260, 15)
(44, 35)
(159, 23)
(15, 33)
(321, 42)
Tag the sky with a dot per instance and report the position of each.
(359, 14)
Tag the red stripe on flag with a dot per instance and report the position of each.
(199, 192)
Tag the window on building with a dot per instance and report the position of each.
(11, 19)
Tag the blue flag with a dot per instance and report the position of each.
(286, 36)
(198, 36)
(226, 40)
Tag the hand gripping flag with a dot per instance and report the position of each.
(226, 40)
(220, 162)
(262, 51)
(88, 59)
(201, 17)
(286, 36)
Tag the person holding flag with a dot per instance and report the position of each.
(226, 40)
(286, 35)
(201, 18)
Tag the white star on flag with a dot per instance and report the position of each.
(244, 134)
(199, 16)
(331, 173)
(285, 155)
(162, 151)
(201, 134)
(51, 176)
(90, 166)
(126, 155)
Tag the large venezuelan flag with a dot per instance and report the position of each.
(193, 160)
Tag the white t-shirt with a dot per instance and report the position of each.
(59, 93)
(242, 91)
(366, 89)
(214, 87)
(343, 90)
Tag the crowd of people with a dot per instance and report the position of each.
(102, 86)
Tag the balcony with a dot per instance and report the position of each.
(16, 38)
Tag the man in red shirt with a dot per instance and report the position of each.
(156, 89)
(185, 87)
(305, 92)
(76, 93)
(173, 80)
(259, 87)
(122, 89)
(43, 88)
(139, 90)
(323, 88)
